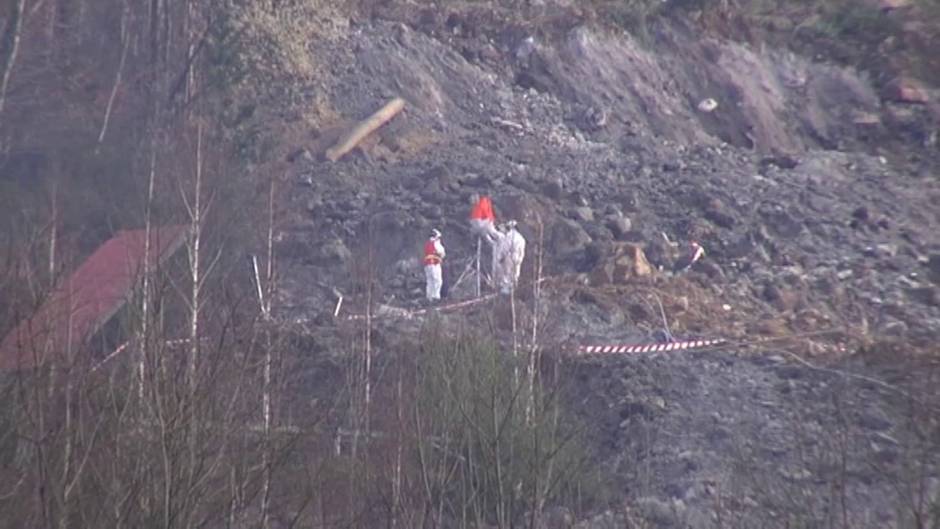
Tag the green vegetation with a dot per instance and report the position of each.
(492, 450)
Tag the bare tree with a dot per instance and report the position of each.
(11, 45)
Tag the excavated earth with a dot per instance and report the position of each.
(816, 200)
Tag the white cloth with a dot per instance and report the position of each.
(439, 249)
(434, 281)
(516, 253)
(508, 254)
(496, 267)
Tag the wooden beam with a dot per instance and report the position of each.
(364, 128)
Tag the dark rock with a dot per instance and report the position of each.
(791, 372)
(619, 225)
(929, 296)
(432, 212)
(782, 224)
(579, 199)
(301, 154)
(861, 213)
(893, 327)
(413, 183)
(933, 268)
(567, 237)
(476, 180)
(431, 191)
(523, 182)
(522, 207)
(783, 161)
(635, 409)
(639, 311)
(553, 189)
(599, 232)
(583, 214)
(742, 247)
(717, 212)
(661, 254)
(709, 268)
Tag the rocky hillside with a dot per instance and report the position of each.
(814, 193)
(807, 222)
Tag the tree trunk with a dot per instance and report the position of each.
(11, 43)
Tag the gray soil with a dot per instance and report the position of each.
(816, 202)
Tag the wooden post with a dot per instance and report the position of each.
(478, 266)
(364, 128)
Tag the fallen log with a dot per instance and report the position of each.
(364, 128)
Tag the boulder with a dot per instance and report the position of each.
(553, 189)
(583, 214)
(567, 236)
(929, 296)
(783, 161)
(784, 300)
(619, 225)
(602, 275)
(522, 207)
(782, 224)
(933, 268)
(718, 213)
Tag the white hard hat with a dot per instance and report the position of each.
(435, 234)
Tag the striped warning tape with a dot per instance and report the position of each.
(647, 348)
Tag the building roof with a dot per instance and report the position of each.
(83, 302)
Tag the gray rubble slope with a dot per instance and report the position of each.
(843, 234)
(807, 225)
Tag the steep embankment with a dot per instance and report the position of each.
(599, 138)
(606, 145)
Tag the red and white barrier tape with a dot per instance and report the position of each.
(647, 348)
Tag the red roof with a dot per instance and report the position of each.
(87, 299)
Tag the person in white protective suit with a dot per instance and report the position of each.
(509, 252)
(433, 257)
(496, 242)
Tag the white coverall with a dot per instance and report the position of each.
(508, 253)
(432, 274)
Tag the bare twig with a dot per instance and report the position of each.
(16, 26)
(125, 41)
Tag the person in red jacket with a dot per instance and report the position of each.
(433, 257)
(482, 219)
(483, 225)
